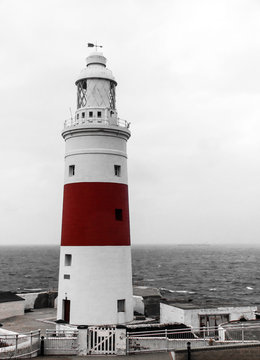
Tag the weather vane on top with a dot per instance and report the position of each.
(96, 46)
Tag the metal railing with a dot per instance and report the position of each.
(61, 342)
(95, 120)
(239, 332)
(17, 346)
(170, 339)
(186, 333)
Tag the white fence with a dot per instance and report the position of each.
(18, 346)
(103, 340)
(113, 340)
(61, 342)
(100, 121)
(239, 332)
(169, 340)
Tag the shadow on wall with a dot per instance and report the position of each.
(39, 300)
(45, 300)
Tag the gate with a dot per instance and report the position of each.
(101, 340)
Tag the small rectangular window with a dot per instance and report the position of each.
(117, 169)
(71, 170)
(66, 276)
(119, 214)
(99, 113)
(90, 114)
(121, 305)
(68, 258)
(83, 115)
(77, 116)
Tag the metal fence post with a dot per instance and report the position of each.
(31, 341)
(166, 339)
(188, 351)
(243, 333)
(38, 341)
(204, 334)
(42, 345)
(16, 344)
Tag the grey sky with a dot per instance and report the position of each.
(188, 81)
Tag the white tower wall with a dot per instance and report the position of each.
(95, 279)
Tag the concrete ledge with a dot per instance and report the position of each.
(234, 351)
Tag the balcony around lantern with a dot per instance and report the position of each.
(109, 121)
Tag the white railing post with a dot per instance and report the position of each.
(127, 343)
(31, 341)
(39, 339)
(243, 333)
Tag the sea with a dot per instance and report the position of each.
(214, 275)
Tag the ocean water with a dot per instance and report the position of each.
(208, 274)
(201, 274)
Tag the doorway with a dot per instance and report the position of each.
(66, 310)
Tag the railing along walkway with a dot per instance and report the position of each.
(15, 346)
(170, 339)
(95, 120)
(61, 342)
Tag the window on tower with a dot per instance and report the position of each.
(119, 214)
(82, 94)
(66, 276)
(99, 114)
(71, 170)
(121, 305)
(112, 95)
(117, 169)
(90, 114)
(83, 115)
(68, 258)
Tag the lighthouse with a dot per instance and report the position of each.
(95, 274)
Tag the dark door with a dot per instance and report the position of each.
(66, 310)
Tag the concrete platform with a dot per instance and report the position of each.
(39, 319)
(150, 356)
(42, 319)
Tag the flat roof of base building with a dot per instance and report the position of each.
(146, 291)
(191, 306)
(8, 296)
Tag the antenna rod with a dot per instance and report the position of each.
(94, 45)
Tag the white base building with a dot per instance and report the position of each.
(197, 316)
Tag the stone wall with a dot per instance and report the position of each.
(234, 352)
(138, 304)
(144, 344)
(39, 300)
(12, 308)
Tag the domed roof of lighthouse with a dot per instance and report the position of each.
(96, 68)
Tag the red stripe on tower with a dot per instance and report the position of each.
(95, 214)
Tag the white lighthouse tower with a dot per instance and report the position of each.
(95, 279)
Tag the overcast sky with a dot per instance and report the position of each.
(188, 76)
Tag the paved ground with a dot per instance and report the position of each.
(154, 356)
(39, 319)
(44, 319)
